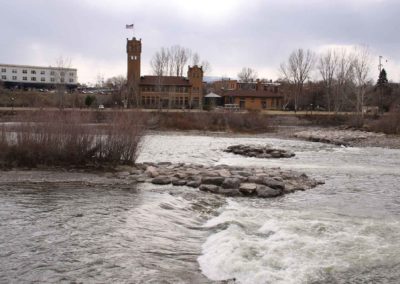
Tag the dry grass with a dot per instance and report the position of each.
(70, 139)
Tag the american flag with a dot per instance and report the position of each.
(129, 26)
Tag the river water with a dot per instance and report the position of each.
(345, 231)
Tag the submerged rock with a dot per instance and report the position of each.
(209, 187)
(259, 151)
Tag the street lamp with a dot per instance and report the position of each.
(12, 103)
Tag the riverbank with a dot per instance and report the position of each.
(329, 135)
(348, 137)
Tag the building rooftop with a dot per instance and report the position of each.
(37, 67)
(250, 93)
(164, 81)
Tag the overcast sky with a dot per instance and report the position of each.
(230, 34)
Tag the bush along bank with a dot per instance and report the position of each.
(70, 139)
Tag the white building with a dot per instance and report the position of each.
(37, 76)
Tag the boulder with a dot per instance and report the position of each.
(212, 180)
(247, 188)
(243, 173)
(152, 171)
(231, 183)
(264, 156)
(209, 188)
(224, 173)
(136, 172)
(164, 163)
(272, 183)
(161, 180)
(180, 175)
(178, 182)
(256, 179)
(123, 174)
(265, 191)
(276, 154)
(193, 183)
(141, 179)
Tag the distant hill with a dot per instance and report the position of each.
(210, 79)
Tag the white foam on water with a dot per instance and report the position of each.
(288, 246)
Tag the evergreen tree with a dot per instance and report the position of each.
(382, 78)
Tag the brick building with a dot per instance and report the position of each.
(257, 95)
(163, 91)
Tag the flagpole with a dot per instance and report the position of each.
(130, 27)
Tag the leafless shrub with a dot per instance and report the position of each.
(389, 124)
(69, 138)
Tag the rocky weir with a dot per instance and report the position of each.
(220, 179)
(337, 136)
(259, 151)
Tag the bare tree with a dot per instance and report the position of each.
(179, 56)
(361, 63)
(327, 66)
(118, 84)
(160, 63)
(247, 75)
(195, 59)
(62, 65)
(344, 74)
(297, 70)
(173, 60)
(206, 66)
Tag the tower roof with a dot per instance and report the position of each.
(164, 80)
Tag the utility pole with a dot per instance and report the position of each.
(380, 66)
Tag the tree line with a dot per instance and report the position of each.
(344, 81)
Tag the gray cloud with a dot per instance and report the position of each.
(229, 34)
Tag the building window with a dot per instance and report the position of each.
(33, 78)
(42, 72)
(14, 71)
(33, 71)
(14, 77)
(52, 79)
(3, 70)
(242, 103)
(71, 80)
(62, 74)
(264, 104)
(3, 77)
(24, 78)
(24, 71)
(71, 74)
(62, 80)
(43, 79)
(52, 73)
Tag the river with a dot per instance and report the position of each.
(345, 231)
